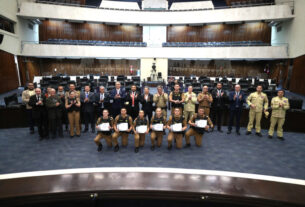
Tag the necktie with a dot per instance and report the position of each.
(237, 99)
(86, 94)
(102, 98)
(132, 98)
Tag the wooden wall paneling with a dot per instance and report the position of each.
(89, 31)
(8, 72)
(297, 83)
(220, 32)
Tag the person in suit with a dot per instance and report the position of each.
(132, 102)
(147, 103)
(219, 96)
(39, 113)
(87, 99)
(25, 99)
(117, 98)
(102, 101)
(53, 104)
(236, 99)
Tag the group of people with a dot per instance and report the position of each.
(118, 113)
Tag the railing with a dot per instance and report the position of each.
(290, 2)
(216, 44)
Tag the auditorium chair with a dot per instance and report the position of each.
(11, 100)
(295, 103)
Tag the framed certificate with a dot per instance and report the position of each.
(176, 127)
(158, 127)
(122, 127)
(201, 123)
(141, 129)
(104, 127)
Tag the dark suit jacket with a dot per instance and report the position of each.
(38, 111)
(219, 102)
(136, 101)
(117, 103)
(237, 102)
(106, 101)
(147, 106)
(87, 106)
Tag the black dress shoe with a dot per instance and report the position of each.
(71, 136)
(238, 133)
(32, 132)
(220, 130)
(281, 138)
(53, 136)
(187, 145)
(116, 148)
(61, 136)
(248, 133)
(136, 150)
(78, 135)
(269, 136)
(229, 132)
(40, 138)
(258, 134)
(85, 130)
(170, 147)
(93, 130)
(152, 148)
(100, 147)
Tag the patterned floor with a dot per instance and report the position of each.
(21, 152)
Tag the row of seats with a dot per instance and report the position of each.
(108, 83)
(215, 44)
(95, 43)
(248, 3)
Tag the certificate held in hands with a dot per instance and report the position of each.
(104, 127)
(201, 123)
(141, 129)
(176, 127)
(157, 127)
(122, 127)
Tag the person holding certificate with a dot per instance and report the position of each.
(122, 126)
(104, 126)
(176, 125)
(157, 125)
(140, 128)
(199, 123)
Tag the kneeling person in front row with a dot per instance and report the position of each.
(104, 125)
(158, 125)
(176, 125)
(199, 123)
(140, 128)
(122, 126)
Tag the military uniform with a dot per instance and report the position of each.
(104, 134)
(189, 106)
(278, 115)
(261, 102)
(176, 96)
(161, 102)
(176, 135)
(54, 114)
(120, 119)
(157, 134)
(25, 99)
(140, 138)
(205, 103)
(196, 131)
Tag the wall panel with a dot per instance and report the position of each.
(89, 31)
(8, 72)
(298, 75)
(220, 33)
